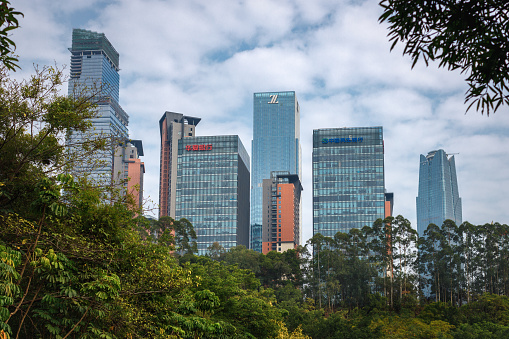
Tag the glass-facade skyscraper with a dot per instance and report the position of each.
(212, 189)
(348, 179)
(275, 147)
(438, 198)
(94, 73)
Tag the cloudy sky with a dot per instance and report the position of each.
(206, 58)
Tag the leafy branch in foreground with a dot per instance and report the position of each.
(472, 36)
(8, 22)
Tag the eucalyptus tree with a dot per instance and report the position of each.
(451, 261)
(178, 234)
(503, 231)
(381, 249)
(430, 261)
(494, 257)
(404, 242)
(317, 244)
(466, 232)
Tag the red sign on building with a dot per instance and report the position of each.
(199, 147)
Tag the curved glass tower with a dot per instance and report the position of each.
(438, 198)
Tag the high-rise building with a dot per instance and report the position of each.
(275, 147)
(94, 73)
(348, 179)
(173, 127)
(281, 214)
(212, 190)
(438, 198)
(128, 169)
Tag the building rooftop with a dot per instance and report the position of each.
(84, 40)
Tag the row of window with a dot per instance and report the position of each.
(345, 222)
(194, 157)
(205, 191)
(347, 180)
(206, 184)
(200, 224)
(368, 214)
(324, 206)
(337, 198)
(332, 187)
(333, 171)
(211, 214)
(353, 165)
(204, 171)
(208, 204)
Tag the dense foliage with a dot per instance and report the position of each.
(371, 283)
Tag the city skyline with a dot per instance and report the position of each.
(335, 56)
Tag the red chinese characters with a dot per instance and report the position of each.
(199, 147)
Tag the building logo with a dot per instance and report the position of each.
(273, 99)
(341, 140)
(199, 147)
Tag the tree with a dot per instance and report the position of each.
(34, 121)
(8, 22)
(178, 233)
(404, 242)
(468, 35)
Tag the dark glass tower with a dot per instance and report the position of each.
(348, 179)
(438, 198)
(213, 189)
(94, 73)
(275, 147)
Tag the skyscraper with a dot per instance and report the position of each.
(348, 179)
(212, 189)
(172, 127)
(94, 73)
(281, 214)
(438, 198)
(275, 147)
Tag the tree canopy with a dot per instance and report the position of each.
(469, 35)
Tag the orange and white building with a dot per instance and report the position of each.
(281, 222)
